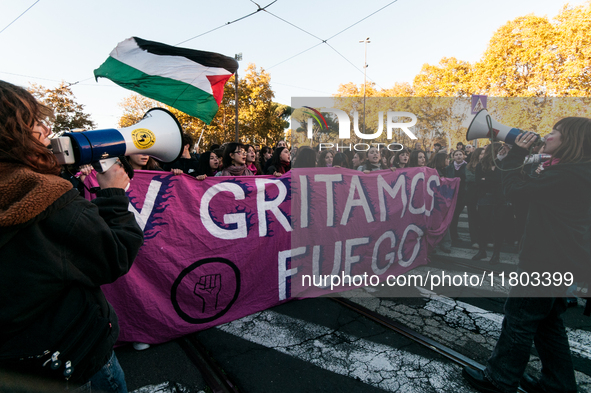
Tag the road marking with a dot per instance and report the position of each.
(488, 322)
(374, 364)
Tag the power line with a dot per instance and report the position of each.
(340, 54)
(229, 23)
(299, 87)
(19, 16)
(289, 23)
(312, 47)
(79, 83)
(326, 40)
(359, 21)
(28, 76)
(234, 21)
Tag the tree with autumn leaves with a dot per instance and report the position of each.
(531, 57)
(68, 113)
(260, 120)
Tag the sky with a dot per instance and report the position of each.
(67, 40)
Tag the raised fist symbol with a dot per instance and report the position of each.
(207, 289)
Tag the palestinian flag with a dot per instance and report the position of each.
(189, 80)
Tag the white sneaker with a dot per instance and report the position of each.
(140, 346)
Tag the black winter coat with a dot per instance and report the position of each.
(52, 268)
(190, 166)
(558, 230)
(451, 172)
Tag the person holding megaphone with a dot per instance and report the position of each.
(56, 250)
(555, 252)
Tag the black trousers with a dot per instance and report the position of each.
(453, 227)
(494, 221)
(471, 204)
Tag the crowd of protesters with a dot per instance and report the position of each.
(46, 227)
(494, 220)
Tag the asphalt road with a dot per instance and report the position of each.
(318, 345)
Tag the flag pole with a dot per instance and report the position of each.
(366, 41)
(236, 102)
(238, 57)
(199, 141)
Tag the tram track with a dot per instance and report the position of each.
(218, 381)
(413, 335)
(212, 373)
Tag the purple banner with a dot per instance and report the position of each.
(223, 248)
(347, 223)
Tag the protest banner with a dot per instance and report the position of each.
(226, 247)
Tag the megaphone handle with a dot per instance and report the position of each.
(127, 166)
(103, 165)
(490, 127)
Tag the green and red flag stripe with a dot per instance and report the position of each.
(189, 80)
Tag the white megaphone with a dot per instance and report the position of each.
(536, 158)
(483, 124)
(158, 134)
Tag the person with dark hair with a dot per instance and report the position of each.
(556, 239)
(234, 161)
(340, 160)
(264, 155)
(431, 154)
(469, 149)
(358, 159)
(491, 204)
(219, 152)
(400, 160)
(325, 159)
(279, 144)
(214, 147)
(251, 161)
(294, 153)
(373, 162)
(350, 154)
(417, 158)
(264, 158)
(57, 250)
(440, 162)
(144, 162)
(186, 163)
(208, 165)
(306, 158)
(460, 146)
(280, 162)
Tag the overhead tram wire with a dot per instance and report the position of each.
(291, 24)
(84, 80)
(349, 61)
(29, 76)
(229, 23)
(299, 87)
(359, 21)
(226, 24)
(24, 12)
(331, 37)
(304, 51)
